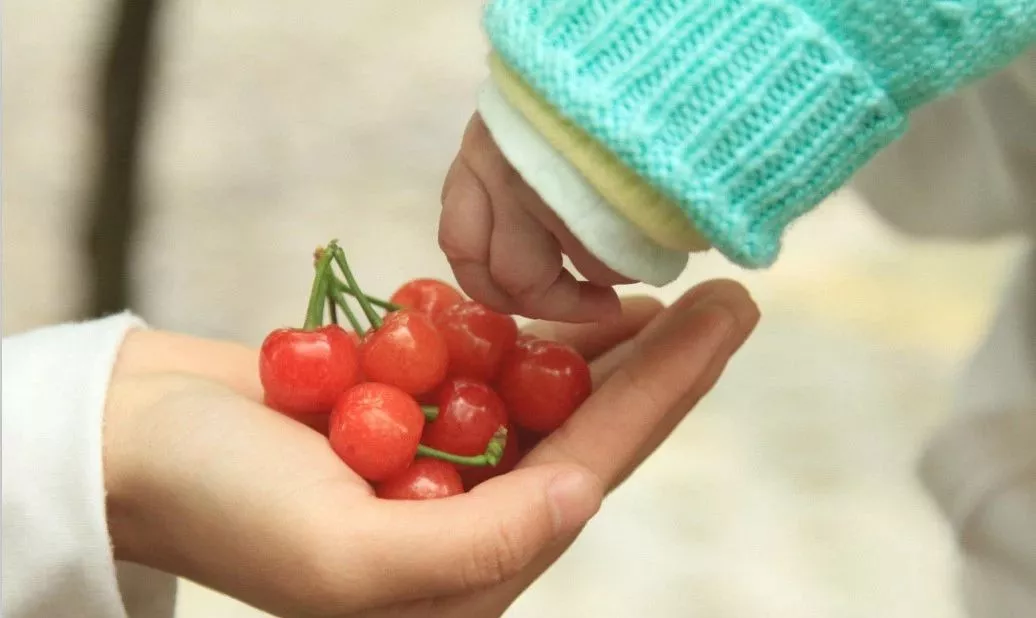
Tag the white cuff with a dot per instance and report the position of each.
(57, 557)
(605, 233)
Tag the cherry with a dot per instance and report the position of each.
(424, 479)
(303, 372)
(477, 339)
(543, 382)
(470, 413)
(406, 351)
(428, 296)
(317, 422)
(375, 429)
(474, 475)
(527, 439)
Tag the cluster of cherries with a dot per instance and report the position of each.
(439, 394)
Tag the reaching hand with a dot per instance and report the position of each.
(505, 245)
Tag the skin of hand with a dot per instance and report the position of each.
(506, 246)
(204, 482)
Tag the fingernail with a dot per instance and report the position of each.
(574, 497)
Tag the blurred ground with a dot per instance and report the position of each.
(789, 493)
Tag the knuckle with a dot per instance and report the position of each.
(452, 246)
(498, 556)
(525, 280)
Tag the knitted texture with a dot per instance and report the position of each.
(637, 200)
(749, 113)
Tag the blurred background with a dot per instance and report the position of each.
(269, 127)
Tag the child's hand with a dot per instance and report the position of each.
(204, 482)
(505, 245)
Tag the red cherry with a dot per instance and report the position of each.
(428, 296)
(527, 439)
(304, 372)
(543, 382)
(469, 414)
(474, 475)
(318, 422)
(477, 338)
(375, 429)
(424, 479)
(406, 351)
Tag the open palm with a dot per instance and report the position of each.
(214, 487)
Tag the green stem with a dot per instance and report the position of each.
(318, 294)
(343, 287)
(430, 412)
(491, 457)
(332, 309)
(343, 304)
(365, 304)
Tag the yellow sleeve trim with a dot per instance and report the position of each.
(643, 205)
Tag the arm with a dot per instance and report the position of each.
(748, 114)
(703, 124)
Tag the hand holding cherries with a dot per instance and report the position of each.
(426, 401)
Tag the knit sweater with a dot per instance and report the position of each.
(748, 113)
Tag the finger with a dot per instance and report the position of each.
(668, 366)
(611, 359)
(690, 321)
(476, 540)
(747, 315)
(524, 258)
(587, 264)
(593, 340)
(525, 261)
(465, 229)
(590, 267)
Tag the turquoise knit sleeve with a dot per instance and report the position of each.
(749, 113)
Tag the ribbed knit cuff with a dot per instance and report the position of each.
(746, 113)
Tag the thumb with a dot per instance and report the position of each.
(475, 540)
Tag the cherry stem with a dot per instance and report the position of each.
(372, 316)
(491, 457)
(344, 288)
(343, 304)
(430, 412)
(332, 309)
(318, 294)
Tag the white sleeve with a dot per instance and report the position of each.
(57, 558)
